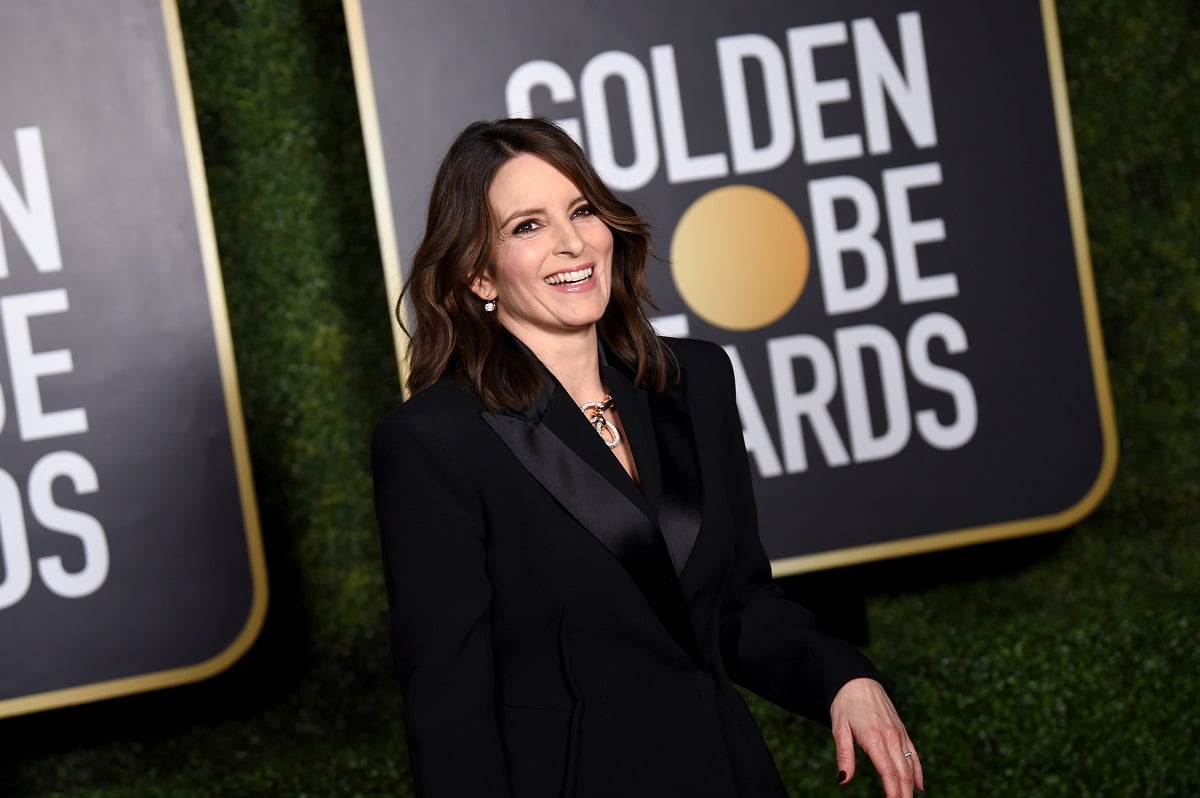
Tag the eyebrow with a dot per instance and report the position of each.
(536, 211)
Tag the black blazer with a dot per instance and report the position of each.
(560, 631)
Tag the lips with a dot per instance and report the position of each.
(571, 277)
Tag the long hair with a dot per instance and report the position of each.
(453, 334)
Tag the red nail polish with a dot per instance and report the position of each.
(841, 777)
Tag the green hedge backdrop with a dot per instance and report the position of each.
(1065, 664)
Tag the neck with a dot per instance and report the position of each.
(573, 360)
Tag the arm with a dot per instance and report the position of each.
(433, 541)
(771, 645)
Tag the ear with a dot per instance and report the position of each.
(483, 287)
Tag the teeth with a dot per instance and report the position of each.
(570, 277)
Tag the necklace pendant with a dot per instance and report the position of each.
(607, 432)
(604, 428)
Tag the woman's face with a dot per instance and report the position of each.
(551, 270)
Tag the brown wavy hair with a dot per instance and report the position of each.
(452, 333)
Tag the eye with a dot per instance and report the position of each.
(525, 228)
(583, 211)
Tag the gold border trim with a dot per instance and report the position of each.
(368, 112)
(1091, 315)
(233, 408)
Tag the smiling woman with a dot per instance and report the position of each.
(568, 528)
(552, 260)
(451, 283)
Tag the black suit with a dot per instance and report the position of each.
(558, 630)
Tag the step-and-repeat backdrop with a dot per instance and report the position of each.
(130, 555)
(873, 206)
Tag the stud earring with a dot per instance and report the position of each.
(490, 306)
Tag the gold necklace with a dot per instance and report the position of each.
(604, 428)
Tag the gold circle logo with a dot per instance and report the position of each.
(739, 257)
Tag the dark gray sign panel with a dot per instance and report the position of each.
(873, 207)
(130, 556)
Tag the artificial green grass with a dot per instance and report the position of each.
(1065, 664)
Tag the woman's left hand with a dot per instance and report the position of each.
(862, 713)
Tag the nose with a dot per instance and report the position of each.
(569, 241)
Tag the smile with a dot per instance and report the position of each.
(570, 278)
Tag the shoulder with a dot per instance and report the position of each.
(706, 375)
(441, 412)
(699, 357)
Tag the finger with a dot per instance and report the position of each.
(918, 771)
(906, 773)
(843, 740)
(909, 767)
(887, 755)
(913, 759)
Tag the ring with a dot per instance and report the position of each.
(907, 754)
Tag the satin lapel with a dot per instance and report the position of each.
(559, 451)
(681, 502)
